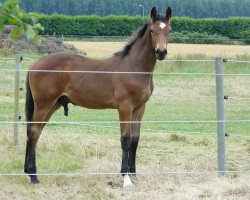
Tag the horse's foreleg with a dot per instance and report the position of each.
(125, 115)
(136, 116)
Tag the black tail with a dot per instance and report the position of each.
(29, 104)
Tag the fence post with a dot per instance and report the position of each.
(62, 42)
(220, 116)
(16, 103)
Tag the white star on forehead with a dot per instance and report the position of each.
(162, 25)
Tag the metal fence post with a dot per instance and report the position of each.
(220, 116)
(62, 43)
(16, 103)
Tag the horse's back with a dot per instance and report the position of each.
(56, 60)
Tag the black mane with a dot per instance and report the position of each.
(139, 34)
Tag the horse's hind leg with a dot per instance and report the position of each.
(41, 114)
(33, 134)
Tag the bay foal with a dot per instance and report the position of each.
(126, 92)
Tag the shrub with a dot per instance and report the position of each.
(124, 25)
(245, 35)
(198, 38)
(118, 25)
(67, 25)
(186, 29)
(230, 27)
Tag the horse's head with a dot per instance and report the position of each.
(160, 29)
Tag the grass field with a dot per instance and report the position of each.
(164, 147)
(105, 49)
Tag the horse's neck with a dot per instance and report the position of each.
(142, 54)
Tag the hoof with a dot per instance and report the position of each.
(35, 182)
(33, 179)
(126, 181)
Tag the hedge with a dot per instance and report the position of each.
(234, 28)
(199, 38)
(230, 27)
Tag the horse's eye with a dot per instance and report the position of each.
(151, 31)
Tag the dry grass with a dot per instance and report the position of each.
(68, 149)
(81, 152)
(151, 187)
(106, 49)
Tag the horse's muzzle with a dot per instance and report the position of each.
(161, 54)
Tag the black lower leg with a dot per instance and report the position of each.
(125, 143)
(132, 156)
(30, 161)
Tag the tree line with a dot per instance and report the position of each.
(189, 8)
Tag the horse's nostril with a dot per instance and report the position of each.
(164, 51)
(161, 51)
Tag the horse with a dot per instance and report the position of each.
(115, 89)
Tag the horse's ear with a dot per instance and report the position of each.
(153, 14)
(168, 13)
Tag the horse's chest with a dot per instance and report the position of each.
(144, 93)
(136, 91)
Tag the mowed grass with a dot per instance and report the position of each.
(165, 147)
(106, 49)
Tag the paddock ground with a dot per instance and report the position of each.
(166, 150)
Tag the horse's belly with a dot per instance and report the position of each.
(91, 91)
(92, 99)
(95, 105)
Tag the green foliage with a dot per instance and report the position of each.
(245, 35)
(184, 27)
(89, 25)
(191, 8)
(16, 32)
(230, 27)
(199, 38)
(66, 25)
(2, 22)
(10, 13)
(209, 31)
(118, 25)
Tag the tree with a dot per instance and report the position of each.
(11, 13)
(189, 8)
